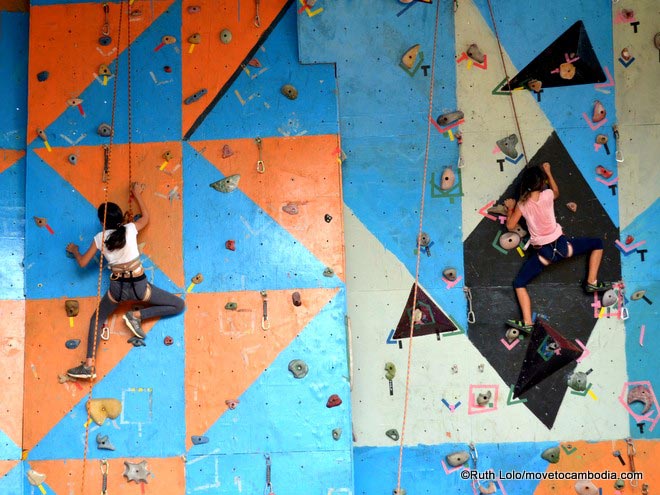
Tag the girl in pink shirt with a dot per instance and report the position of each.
(536, 205)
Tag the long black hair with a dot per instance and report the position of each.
(114, 220)
(532, 179)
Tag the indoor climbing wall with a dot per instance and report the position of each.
(237, 144)
(470, 383)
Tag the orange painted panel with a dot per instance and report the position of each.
(6, 466)
(303, 170)
(597, 457)
(47, 328)
(12, 346)
(64, 42)
(9, 157)
(162, 238)
(65, 476)
(212, 63)
(234, 350)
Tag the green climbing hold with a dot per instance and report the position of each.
(392, 434)
(231, 306)
(551, 455)
(390, 371)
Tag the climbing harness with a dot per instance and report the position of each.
(104, 473)
(269, 485)
(632, 451)
(265, 323)
(471, 318)
(261, 167)
(257, 19)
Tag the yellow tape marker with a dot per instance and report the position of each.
(520, 252)
(190, 287)
(312, 14)
(42, 489)
(602, 312)
(238, 95)
(192, 47)
(592, 395)
(451, 135)
(162, 167)
(88, 422)
(105, 80)
(469, 64)
(70, 321)
(48, 146)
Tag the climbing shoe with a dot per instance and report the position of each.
(498, 210)
(134, 324)
(82, 371)
(520, 325)
(597, 287)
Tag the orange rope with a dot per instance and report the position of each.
(419, 249)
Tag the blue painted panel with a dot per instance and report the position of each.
(266, 254)
(13, 482)
(13, 79)
(281, 413)
(12, 236)
(8, 449)
(260, 109)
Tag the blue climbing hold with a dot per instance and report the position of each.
(42, 76)
(197, 439)
(72, 344)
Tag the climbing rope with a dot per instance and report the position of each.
(429, 120)
(129, 214)
(513, 103)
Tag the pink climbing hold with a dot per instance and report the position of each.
(603, 172)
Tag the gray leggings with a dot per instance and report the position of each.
(160, 303)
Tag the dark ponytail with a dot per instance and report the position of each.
(533, 179)
(114, 219)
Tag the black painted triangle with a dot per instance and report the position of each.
(574, 42)
(433, 319)
(548, 352)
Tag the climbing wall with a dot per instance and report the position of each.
(383, 112)
(218, 400)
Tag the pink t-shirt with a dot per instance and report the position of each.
(540, 216)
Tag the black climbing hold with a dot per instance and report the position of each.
(72, 343)
(198, 439)
(193, 98)
(136, 341)
(328, 218)
(450, 118)
(73, 159)
(105, 40)
(43, 75)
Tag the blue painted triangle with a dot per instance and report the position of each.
(8, 448)
(150, 94)
(149, 383)
(266, 255)
(282, 413)
(12, 218)
(49, 273)
(13, 79)
(12, 482)
(254, 105)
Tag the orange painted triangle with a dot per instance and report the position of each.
(9, 157)
(162, 238)
(11, 368)
(64, 42)
(232, 349)
(6, 466)
(303, 171)
(47, 328)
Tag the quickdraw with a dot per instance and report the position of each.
(471, 318)
(105, 30)
(265, 323)
(632, 451)
(269, 485)
(261, 167)
(257, 19)
(104, 472)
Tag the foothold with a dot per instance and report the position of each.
(231, 245)
(72, 307)
(586, 487)
(167, 69)
(101, 409)
(104, 70)
(483, 398)
(390, 371)
(508, 146)
(609, 298)
(498, 209)
(35, 478)
(601, 139)
(567, 70)
(232, 403)
(136, 342)
(448, 179)
(551, 455)
(626, 55)
(512, 334)
(393, 434)
(488, 489)
(168, 40)
(603, 172)
(641, 394)
(40, 221)
(298, 368)
(454, 369)
(43, 75)
(104, 130)
(73, 159)
(458, 458)
(333, 401)
(599, 112)
(295, 298)
(336, 433)
(227, 151)
(572, 206)
(328, 272)
(231, 306)
(629, 239)
(290, 208)
(450, 274)
(228, 184)
(73, 102)
(197, 279)
(519, 230)
(194, 9)
(578, 381)
(194, 97)
(103, 442)
(225, 36)
(327, 218)
(42, 135)
(136, 471)
(424, 239)
(72, 343)
(105, 40)
(195, 39)
(509, 240)
(400, 491)
(481, 368)
(619, 484)
(475, 53)
(289, 91)
(637, 295)
(168, 340)
(167, 156)
(199, 439)
(254, 62)
(535, 85)
(645, 489)
(410, 57)
(450, 118)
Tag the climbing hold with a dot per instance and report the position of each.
(232, 403)
(231, 245)
(100, 409)
(168, 340)
(199, 439)
(641, 394)
(410, 57)
(167, 69)
(167, 156)
(578, 381)
(497, 209)
(450, 274)
(298, 368)
(228, 184)
(136, 342)
(104, 130)
(194, 97)
(333, 401)
(629, 239)
(195, 39)
(42, 135)
(225, 36)
(602, 171)
(457, 458)
(336, 433)
(512, 334)
(601, 139)
(519, 230)
(481, 368)
(508, 145)
(136, 471)
(43, 75)
(483, 398)
(254, 62)
(656, 40)
(35, 478)
(289, 91)
(327, 218)
(194, 9)
(295, 298)
(599, 112)
(72, 343)
(586, 487)
(609, 298)
(454, 369)
(231, 306)
(509, 240)
(572, 206)
(619, 484)
(73, 159)
(72, 307)
(399, 491)
(328, 272)
(105, 40)
(40, 221)
(226, 151)
(567, 70)
(626, 55)
(74, 102)
(638, 294)
(290, 208)
(390, 371)
(475, 53)
(393, 434)
(103, 442)
(551, 454)
(448, 179)
(450, 118)
(104, 70)
(424, 239)
(535, 85)
(488, 489)
(645, 489)
(197, 279)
